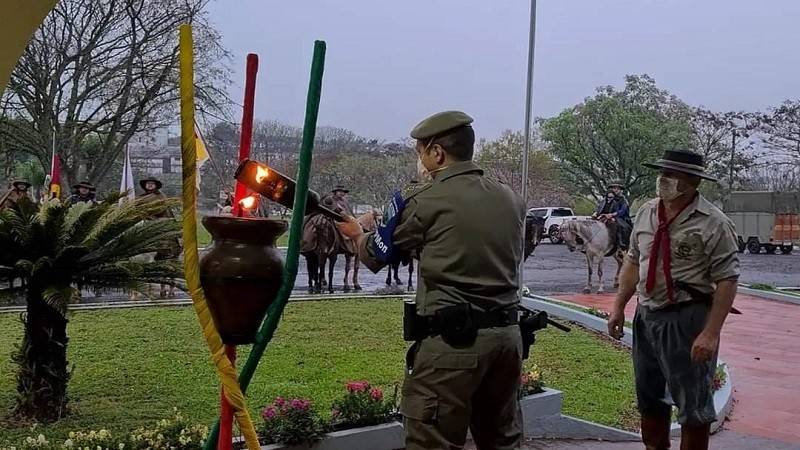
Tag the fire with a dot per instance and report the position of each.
(261, 174)
(248, 202)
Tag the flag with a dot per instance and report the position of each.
(126, 186)
(202, 152)
(55, 177)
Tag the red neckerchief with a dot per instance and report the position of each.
(662, 246)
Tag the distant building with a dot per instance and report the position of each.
(156, 152)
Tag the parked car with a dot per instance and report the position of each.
(764, 220)
(553, 217)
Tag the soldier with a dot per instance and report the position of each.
(18, 189)
(152, 192)
(683, 265)
(83, 192)
(464, 366)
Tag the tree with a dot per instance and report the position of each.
(608, 136)
(57, 250)
(107, 69)
(502, 160)
(724, 140)
(370, 176)
(780, 129)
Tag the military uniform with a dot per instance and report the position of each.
(467, 230)
(675, 292)
(76, 197)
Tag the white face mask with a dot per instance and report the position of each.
(667, 188)
(423, 176)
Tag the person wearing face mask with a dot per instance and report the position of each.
(463, 370)
(683, 264)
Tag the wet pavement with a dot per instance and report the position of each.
(552, 269)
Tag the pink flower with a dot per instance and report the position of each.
(279, 401)
(300, 404)
(357, 386)
(268, 413)
(376, 394)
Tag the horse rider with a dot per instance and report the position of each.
(83, 192)
(17, 190)
(614, 208)
(339, 196)
(152, 192)
(684, 266)
(463, 370)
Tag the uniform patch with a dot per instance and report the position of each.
(689, 247)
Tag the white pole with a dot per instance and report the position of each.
(528, 102)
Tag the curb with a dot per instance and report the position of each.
(723, 398)
(188, 301)
(770, 295)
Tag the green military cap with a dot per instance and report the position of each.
(439, 123)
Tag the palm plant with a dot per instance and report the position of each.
(58, 250)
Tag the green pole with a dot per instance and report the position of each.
(275, 310)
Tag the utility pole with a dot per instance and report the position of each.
(528, 104)
(730, 168)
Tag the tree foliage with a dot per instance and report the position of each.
(502, 160)
(106, 69)
(780, 129)
(608, 136)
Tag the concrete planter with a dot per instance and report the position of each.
(387, 436)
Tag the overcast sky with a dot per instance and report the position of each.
(390, 63)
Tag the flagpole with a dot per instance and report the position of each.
(528, 103)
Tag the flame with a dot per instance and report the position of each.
(248, 202)
(261, 174)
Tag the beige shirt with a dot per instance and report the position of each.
(704, 250)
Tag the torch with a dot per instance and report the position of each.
(278, 187)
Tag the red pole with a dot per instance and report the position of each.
(247, 124)
(225, 441)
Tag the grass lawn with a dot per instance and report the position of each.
(133, 366)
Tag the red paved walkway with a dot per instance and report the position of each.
(762, 349)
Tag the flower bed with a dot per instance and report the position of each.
(174, 433)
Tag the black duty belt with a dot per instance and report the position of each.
(494, 319)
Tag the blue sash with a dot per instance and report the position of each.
(383, 238)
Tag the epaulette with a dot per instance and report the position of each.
(413, 189)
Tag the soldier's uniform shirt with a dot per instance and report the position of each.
(468, 230)
(704, 251)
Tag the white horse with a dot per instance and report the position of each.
(596, 240)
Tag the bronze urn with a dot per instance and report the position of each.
(241, 273)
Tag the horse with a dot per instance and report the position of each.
(317, 246)
(534, 231)
(322, 243)
(596, 240)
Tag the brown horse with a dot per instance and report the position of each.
(322, 244)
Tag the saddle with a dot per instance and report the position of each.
(620, 236)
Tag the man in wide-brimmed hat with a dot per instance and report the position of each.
(82, 192)
(683, 264)
(17, 190)
(614, 209)
(152, 192)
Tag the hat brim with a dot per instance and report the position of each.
(80, 185)
(346, 191)
(142, 183)
(659, 165)
(24, 183)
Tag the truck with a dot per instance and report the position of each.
(553, 217)
(765, 220)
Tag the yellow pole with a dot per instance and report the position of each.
(19, 19)
(224, 368)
